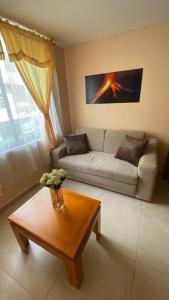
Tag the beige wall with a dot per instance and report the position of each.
(146, 48)
(62, 83)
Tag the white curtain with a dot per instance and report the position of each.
(23, 145)
(24, 150)
(22, 162)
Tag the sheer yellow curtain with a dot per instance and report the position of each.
(34, 59)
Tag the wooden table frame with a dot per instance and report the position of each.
(73, 266)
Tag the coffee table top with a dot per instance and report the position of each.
(62, 230)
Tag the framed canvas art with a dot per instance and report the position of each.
(114, 87)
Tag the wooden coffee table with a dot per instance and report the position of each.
(62, 233)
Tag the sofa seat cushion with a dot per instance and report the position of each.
(101, 164)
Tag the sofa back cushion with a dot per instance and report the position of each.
(95, 137)
(114, 138)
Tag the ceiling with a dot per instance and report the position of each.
(72, 22)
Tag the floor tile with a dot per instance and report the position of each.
(82, 188)
(7, 238)
(153, 246)
(11, 290)
(132, 230)
(36, 271)
(120, 223)
(107, 275)
(150, 284)
(160, 205)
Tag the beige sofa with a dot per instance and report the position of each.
(99, 166)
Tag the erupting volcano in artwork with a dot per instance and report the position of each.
(114, 87)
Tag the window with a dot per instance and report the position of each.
(21, 122)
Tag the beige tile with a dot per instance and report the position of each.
(120, 199)
(150, 285)
(7, 239)
(14, 260)
(11, 290)
(160, 205)
(35, 272)
(153, 246)
(82, 188)
(42, 258)
(107, 275)
(120, 223)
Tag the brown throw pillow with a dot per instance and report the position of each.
(76, 144)
(131, 149)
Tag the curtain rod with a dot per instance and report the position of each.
(23, 27)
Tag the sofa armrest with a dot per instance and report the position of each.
(57, 153)
(147, 171)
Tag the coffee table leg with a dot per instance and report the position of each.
(22, 240)
(96, 228)
(74, 271)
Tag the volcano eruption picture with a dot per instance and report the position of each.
(114, 87)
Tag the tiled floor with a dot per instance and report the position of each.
(131, 261)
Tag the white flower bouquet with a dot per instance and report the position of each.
(54, 179)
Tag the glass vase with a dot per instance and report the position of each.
(57, 198)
